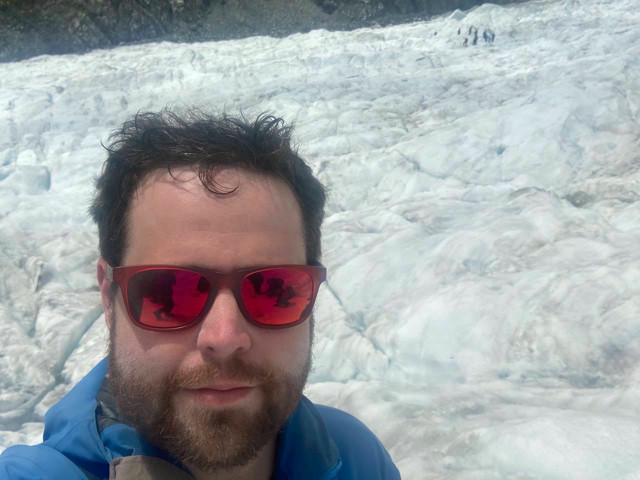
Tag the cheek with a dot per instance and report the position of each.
(145, 350)
(287, 348)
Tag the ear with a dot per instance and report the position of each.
(105, 288)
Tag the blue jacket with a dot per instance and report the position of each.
(82, 437)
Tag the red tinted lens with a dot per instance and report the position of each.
(277, 296)
(166, 298)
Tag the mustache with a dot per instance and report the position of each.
(234, 369)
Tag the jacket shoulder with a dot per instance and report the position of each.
(363, 455)
(39, 462)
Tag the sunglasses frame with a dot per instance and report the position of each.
(217, 280)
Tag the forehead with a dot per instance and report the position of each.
(229, 191)
(174, 215)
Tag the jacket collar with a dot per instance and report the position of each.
(85, 427)
(305, 449)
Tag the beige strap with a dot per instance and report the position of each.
(139, 467)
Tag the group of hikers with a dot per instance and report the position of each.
(487, 35)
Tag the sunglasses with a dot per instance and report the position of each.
(159, 297)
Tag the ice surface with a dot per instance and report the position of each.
(482, 237)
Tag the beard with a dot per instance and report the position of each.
(202, 438)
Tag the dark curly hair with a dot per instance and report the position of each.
(202, 142)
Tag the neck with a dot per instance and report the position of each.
(260, 468)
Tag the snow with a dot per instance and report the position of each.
(482, 308)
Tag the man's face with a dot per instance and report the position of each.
(213, 395)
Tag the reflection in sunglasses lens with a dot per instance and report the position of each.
(277, 296)
(167, 298)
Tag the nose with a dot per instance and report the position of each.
(224, 332)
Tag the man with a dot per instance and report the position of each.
(209, 231)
